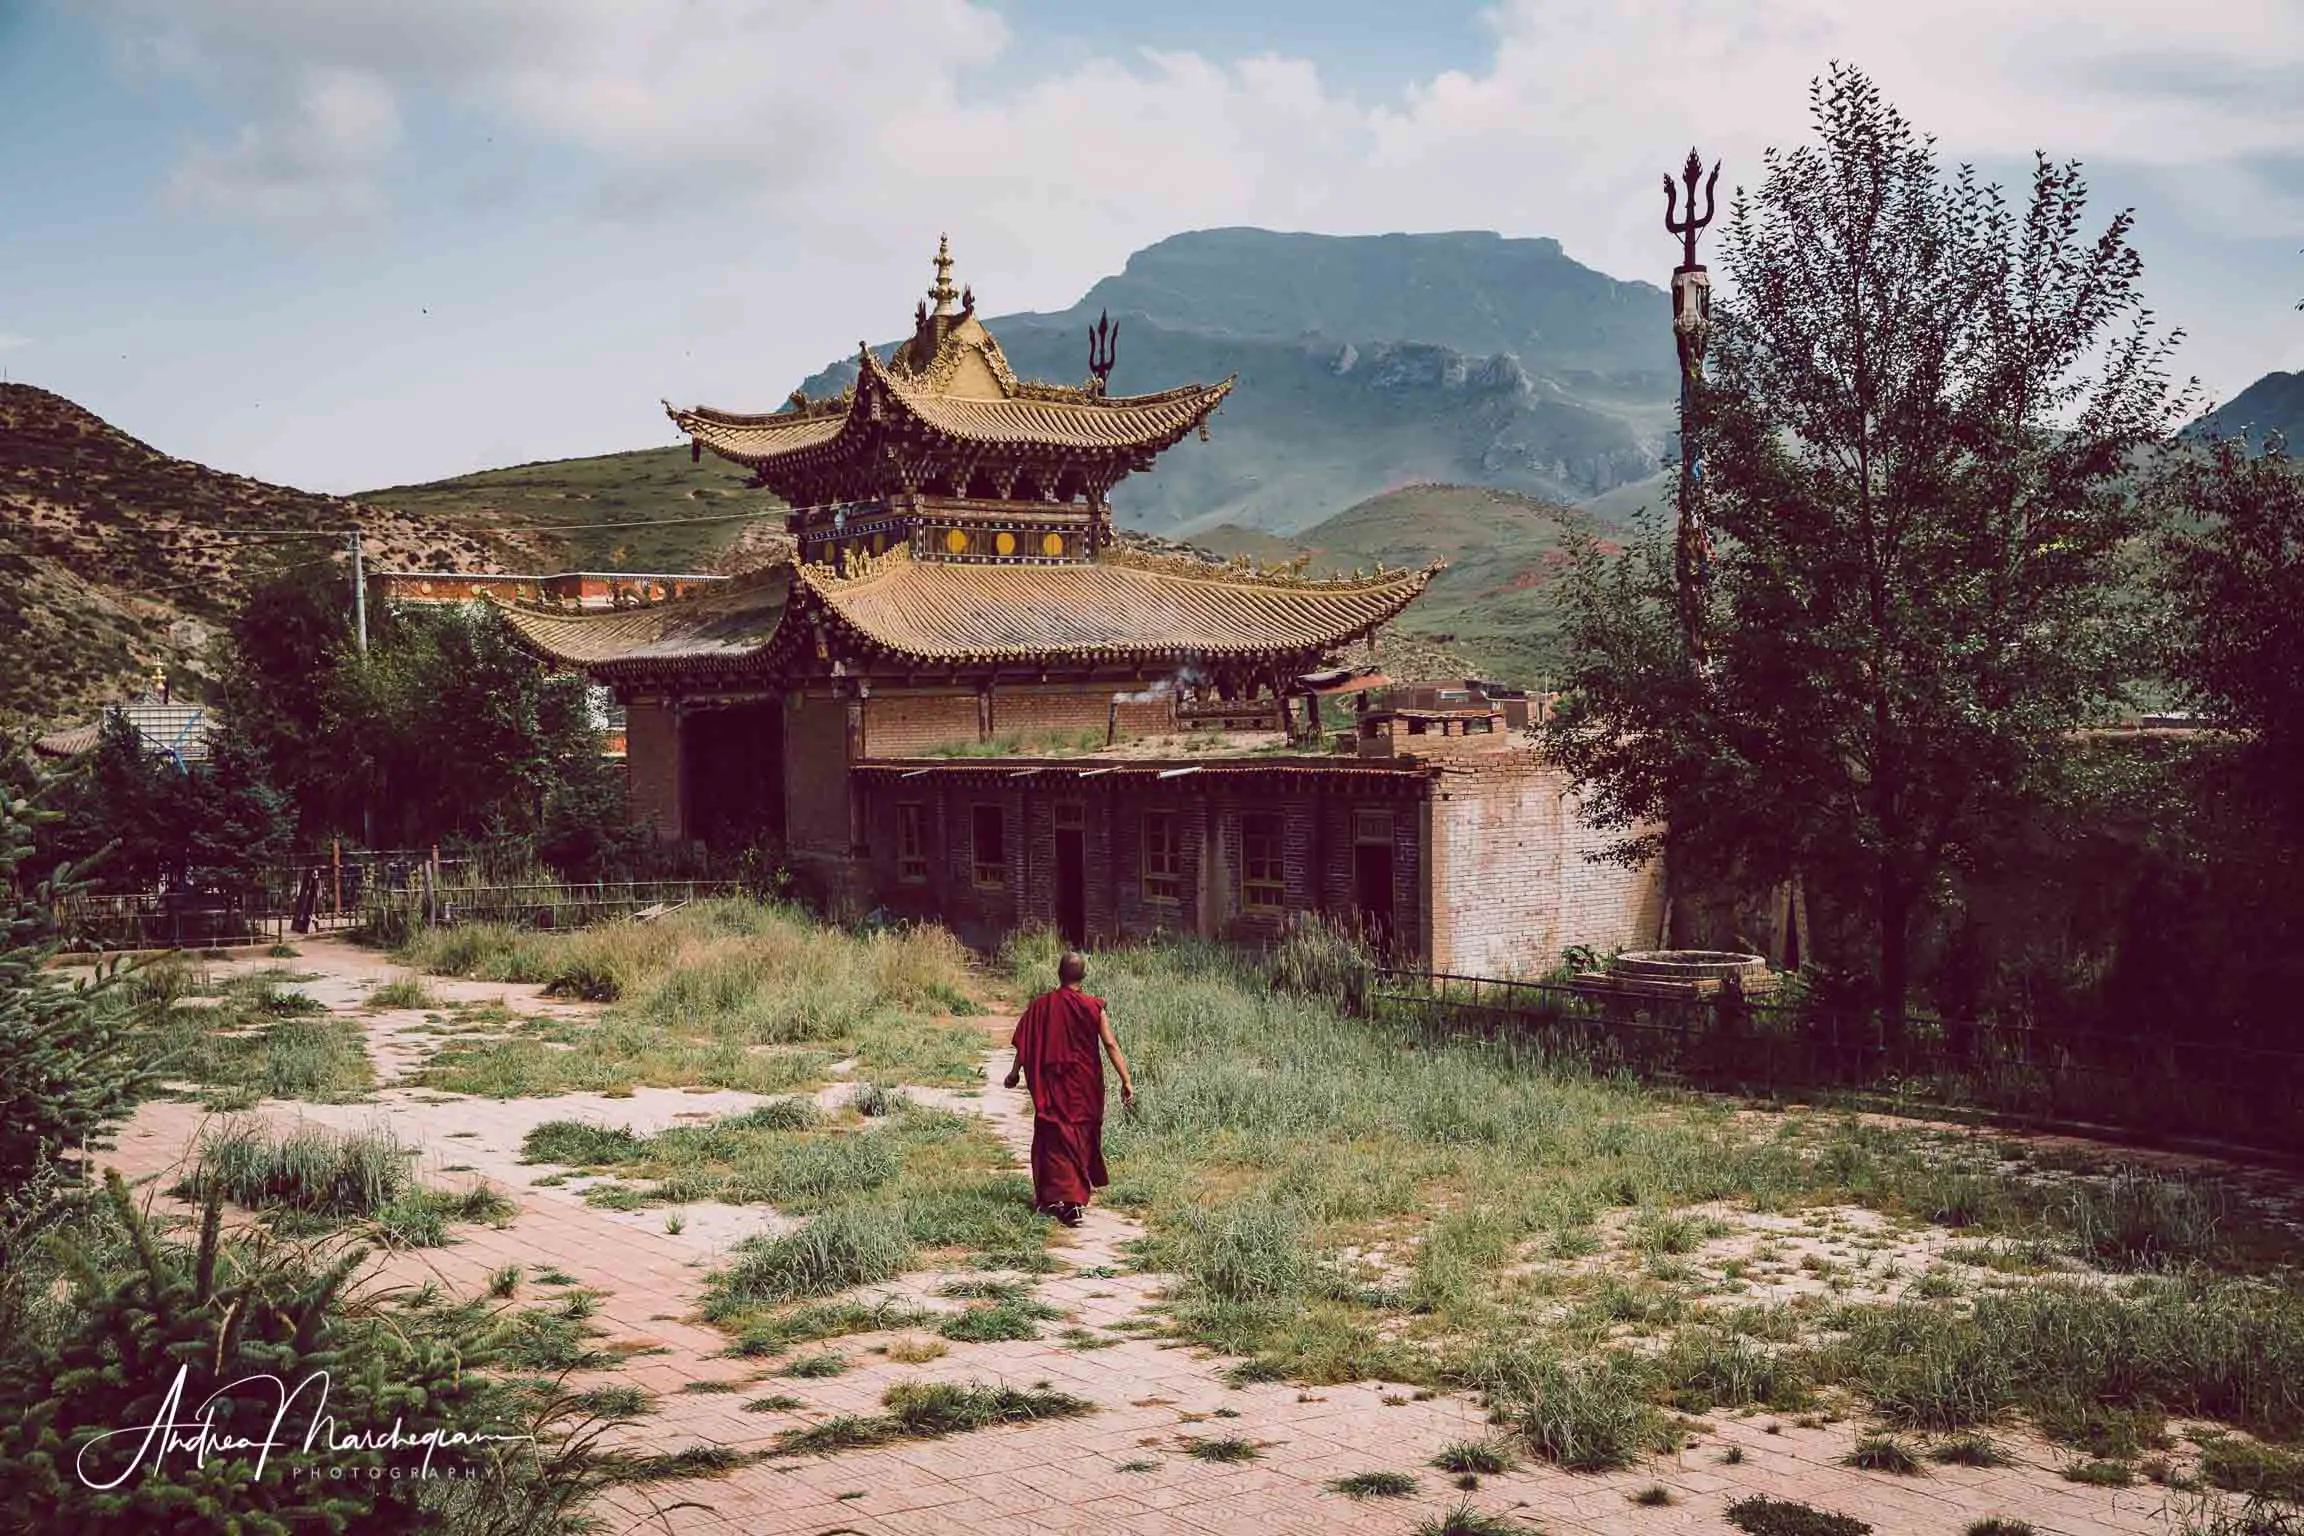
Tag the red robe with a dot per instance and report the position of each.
(1058, 1045)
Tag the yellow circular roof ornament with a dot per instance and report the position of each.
(1004, 542)
(955, 541)
(1052, 545)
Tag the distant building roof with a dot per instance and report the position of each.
(178, 730)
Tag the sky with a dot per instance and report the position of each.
(344, 244)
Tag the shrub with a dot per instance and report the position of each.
(233, 1315)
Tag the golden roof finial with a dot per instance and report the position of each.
(943, 292)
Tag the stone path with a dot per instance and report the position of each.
(1121, 1469)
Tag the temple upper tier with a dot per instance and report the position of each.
(943, 451)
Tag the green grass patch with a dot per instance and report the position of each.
(862, 1245)
(1221, 1448)
(929, 1411)
(1885, 1453)
(405, 991)
(815, 1367)
(1374, 1485)
(1464, 1520)
(1014, 1317)
(1758, 1516)
(1486, 1458)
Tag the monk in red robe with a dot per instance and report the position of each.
(1056, 1045)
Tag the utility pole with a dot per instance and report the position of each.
(359, 596)
(1691, 317)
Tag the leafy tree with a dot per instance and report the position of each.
(1919, 412)
(2232, 582)
(288, 688)
(193, 823)
(445, 730)
(470, 737)
(68, 1065)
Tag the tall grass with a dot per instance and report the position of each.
(310, 1178)
(727, 993)
(308, 1169)
(827, 1254)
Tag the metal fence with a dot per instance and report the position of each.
(536, 904)
(384, 903)
(2182, 1082)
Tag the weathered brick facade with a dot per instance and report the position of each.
(652, 756)
(1515, 882)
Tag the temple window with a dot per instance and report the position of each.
(1263, 862)
(912, 843)
(1163, 858)
(989, 826)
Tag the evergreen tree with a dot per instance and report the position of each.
(68, 1066)
(1919, 411)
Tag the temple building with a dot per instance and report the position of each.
(966, 699)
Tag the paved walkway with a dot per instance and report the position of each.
(1121, 1470)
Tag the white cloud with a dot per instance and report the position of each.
(315, 161)
(10, 341)
(778, 169)
(862, 112)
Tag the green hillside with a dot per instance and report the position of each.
(1495, 606)
(577, 514)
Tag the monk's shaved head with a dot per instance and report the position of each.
(1072, 968)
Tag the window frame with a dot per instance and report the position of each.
(988, 874)
(912, 842)
(1164, 884)
(1266, 893)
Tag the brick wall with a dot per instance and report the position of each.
(1054, 710)
(816, 775)
(652, 761)
(908, 724)
(1512, 881)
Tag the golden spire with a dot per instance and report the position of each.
(943, 292)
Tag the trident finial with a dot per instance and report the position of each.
(943, 292)
(1103, 343)
(1690, 227)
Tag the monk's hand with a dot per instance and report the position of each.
(1127, 1093)
(1011, 1080)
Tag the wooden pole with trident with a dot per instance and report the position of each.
(1691, 315)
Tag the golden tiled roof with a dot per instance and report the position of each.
(1118, 607)
(725, 625)
(1068, 419)
(755, 440)
(1035, 416)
